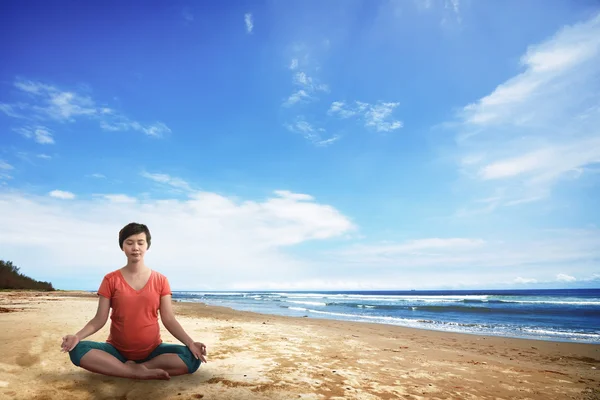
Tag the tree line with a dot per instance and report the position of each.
(11, 278)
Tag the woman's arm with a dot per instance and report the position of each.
(168, 319)
(95, 324)
(98, 321)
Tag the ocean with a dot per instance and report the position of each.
(567, 315)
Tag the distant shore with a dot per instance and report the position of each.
(257, 356)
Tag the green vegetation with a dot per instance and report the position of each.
(11, 278)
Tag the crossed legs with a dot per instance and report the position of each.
(161, 366)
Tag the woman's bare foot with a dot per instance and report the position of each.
(142, 372)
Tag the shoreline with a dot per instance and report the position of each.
(308, 317)
(419, 328)
(261, 356)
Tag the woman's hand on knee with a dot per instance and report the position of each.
(69, 342)
(198, 350)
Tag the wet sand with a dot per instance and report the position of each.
(254, 356)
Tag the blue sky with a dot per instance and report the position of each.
(418, 144)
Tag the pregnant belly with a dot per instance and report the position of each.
(135, 342)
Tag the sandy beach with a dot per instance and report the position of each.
(254, 356)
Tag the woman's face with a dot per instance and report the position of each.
(135, 247)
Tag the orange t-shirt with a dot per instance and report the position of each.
(134, 329)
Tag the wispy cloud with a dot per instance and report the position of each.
(50, 104)
(57, 104)
(448, 10)
(40, 134)
(541, 126)
(552, 250)
(307, 87)
(119, 198)
(63, 195)
(304, 70)
(307, 83)
(157, 129)
(454, 5)
(5, 166)
(565, 278)
(522, 280)
(249, 20)
(378, 116)
(426, 4)
(98, 176)
(31, 158)
(296, 97)
(13, 110)
(427, 246)
(187, 16)
(311, 133)
(4, 172)
(168, 180)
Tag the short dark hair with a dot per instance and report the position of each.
(133, 228)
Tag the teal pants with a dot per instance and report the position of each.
(182, 351)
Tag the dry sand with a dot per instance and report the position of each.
(254, 356)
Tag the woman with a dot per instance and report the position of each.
(134, 348)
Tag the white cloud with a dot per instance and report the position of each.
(191, 239)
(416, 247)
(377, 116)
(541, 126)
(297, 97)
(340, 109)
(44, 156)
(525, 280)
(56, 104)
(556, 249)
(11, 109)
(165, 179)
(286, 194)
(49, 103)
(97, 175)
(306, 82)
(119, 198)
(249, 22)
(40, 134)
(5, 166)
(60, 194)
(306, 92)
(4, 175)
(546, 66)
(311, 133)
(592, 278)
(300, 78)
(157, 129)
(565, 278)
(548, 163)
(307, 87)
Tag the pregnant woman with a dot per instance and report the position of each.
(134, 348)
